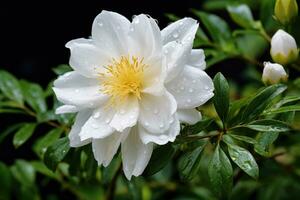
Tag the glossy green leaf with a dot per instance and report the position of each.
(244, 159)
(47, 140)
(241, 14)
(268, 125)
(198, 127)
(23, 172)
(188, 165)
(260, 101)
(243, 138)
(23, 134)
(34, 96)
(282, 110)
(220, 173)
(221, 97)
(56, 153)
(264, 141)
(40, 167)
(160, 157)
(10, 87)
(9, 130)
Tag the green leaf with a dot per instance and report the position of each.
(282, 110)
(220, 173)
(23, 134)
(260, 102)
(61, 69)
(241, 14)
(160, 157)
(243, 138)
(40, 167)
(56, 153)
(10, 87)
(188, 165)
(221, 97)
(23, 172)
(218, 29)
(198, 127)
(34, 96)
(9, 130)
(264, 141)
(268, 125)
(6, 182)
(44, 142)
(243, 158)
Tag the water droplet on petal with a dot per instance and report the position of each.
(100, 24)
(182, 87)
(161, 125)
(189, 100)
(191, 90)
(77, 90)
(107, 121)
(180, 23)
(155, 111)
(206, 87)
(175, 35)
(95, 126)
(163, 137)
(122, 112)
(136, 20)
(194, 81)
(146, 124)
(171, 121)
(96, 115)
(118, 27)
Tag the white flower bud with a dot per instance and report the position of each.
(283, 48)
(273, 73)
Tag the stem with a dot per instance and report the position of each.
(112, 185)
(252, 61)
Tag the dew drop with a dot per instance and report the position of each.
(122, 112)
(118, 27)
(162, 137)
(182, 87)
(155, 111)
(171, 121)
(96, 115)
(191, 90)
(189, 100)
(194, 81)
(107, 121)
(161, 125)
(100, 24)
(76, 90)
(180, 23)
(95, 126)
(206, 87)
(175, 35)
(146, 124)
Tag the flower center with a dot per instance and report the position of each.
(123, 77)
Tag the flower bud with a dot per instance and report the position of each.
(286, 10)
(283, 48)
(273, 73)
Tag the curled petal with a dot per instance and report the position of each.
(197, 59)
(190, 116)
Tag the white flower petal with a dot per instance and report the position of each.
(156, 112)
(179, 30)
(135, 154)
(110, 31)
(80, 120)
(74, 89)
(86, 58)
(126, 115)
(66, 109)
(97, 126)
(161, 138)
(145, 38)
(178, 53)
(197, 59)
(104, 149)
(190, 116)
(192, 88)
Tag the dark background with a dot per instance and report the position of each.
(33, 35)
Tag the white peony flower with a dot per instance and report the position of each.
(283, 48)
(132, 84)
(273, 73)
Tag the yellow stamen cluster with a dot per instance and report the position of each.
(123, 77)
